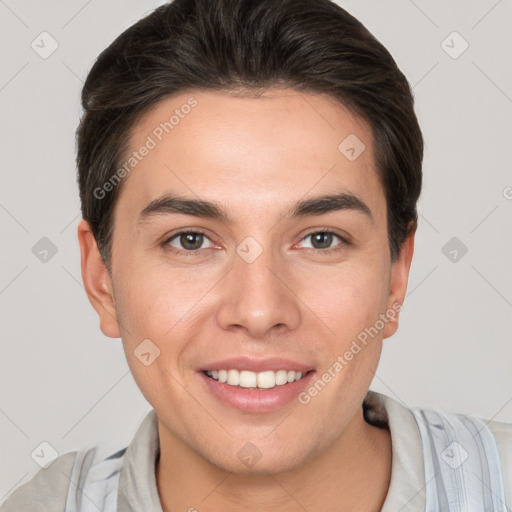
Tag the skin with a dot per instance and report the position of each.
(256, 156)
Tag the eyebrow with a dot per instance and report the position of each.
(171, 204)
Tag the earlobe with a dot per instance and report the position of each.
(97, 281)
(398, 284)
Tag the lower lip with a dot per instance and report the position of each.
(256, 400)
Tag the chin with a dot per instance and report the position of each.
(250, 461)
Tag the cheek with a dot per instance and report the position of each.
(152, 309)
(167, 306)
(153, 299)
(350, 300)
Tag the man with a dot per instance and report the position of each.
(249, 173)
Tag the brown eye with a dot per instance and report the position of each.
(191, 241)
(188, 241)
(323, 240)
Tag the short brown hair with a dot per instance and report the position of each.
(308, 45)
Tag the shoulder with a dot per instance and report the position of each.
(92, 472)
(502, 433)
(469, 452)
(461, 455)
(48, 488)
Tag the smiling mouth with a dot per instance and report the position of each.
(255, 380)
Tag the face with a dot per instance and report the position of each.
(266, 278)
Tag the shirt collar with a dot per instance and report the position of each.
(137, 483)
(406, 491)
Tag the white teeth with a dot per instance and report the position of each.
(247, 379)
(263, 380)
(267, 380)
(233, 377)
(281, 377)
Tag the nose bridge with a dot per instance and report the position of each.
(256, 297)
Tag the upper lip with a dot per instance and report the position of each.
(257, 365)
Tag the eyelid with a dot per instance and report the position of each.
(168, 238)
(345, 240)
(342, 235)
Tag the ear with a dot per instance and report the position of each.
(398, 284)
(97, 281)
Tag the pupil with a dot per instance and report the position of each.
(324, 239)
(187, 240)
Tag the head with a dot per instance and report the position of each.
(282, 137)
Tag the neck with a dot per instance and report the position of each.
(353, 474)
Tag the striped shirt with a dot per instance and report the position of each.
(441, 462)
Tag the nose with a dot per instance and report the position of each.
(258, 297)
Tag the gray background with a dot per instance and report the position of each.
(64, 383)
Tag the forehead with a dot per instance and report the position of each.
(233, 149)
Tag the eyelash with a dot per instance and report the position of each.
(196, 252)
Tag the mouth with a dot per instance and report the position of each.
(255, 392)
(268, 379)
